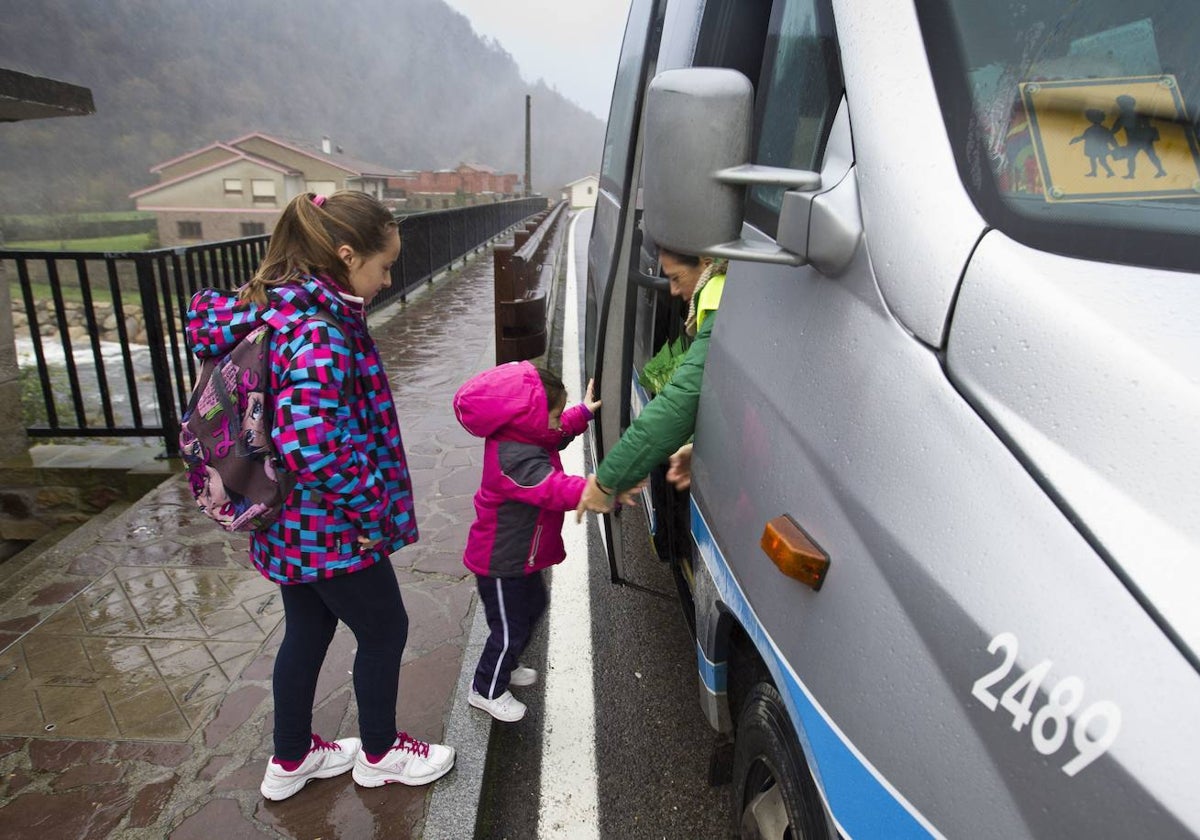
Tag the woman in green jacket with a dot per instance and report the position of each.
(667, 422)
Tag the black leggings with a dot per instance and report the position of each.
(369, 603)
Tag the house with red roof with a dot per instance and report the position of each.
(239, 188)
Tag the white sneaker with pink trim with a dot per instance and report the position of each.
(323, 760)
(408, 762)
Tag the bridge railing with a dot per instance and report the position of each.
(99, 335)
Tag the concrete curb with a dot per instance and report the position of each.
(454, 806)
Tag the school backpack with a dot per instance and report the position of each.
(235, 474)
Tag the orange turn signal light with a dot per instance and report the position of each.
(793, 552)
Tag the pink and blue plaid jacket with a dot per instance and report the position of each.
(341, 440)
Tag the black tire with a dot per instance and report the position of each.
(774, 796)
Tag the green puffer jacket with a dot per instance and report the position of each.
(669, 420)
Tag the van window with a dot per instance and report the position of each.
(1074, 124)
(798, 96)
(626, 100)
(732, 35)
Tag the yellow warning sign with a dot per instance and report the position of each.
(1113, 139)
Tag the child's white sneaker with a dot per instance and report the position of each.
(522, 675)
(408, 762)
(505, 708)
(324, 760)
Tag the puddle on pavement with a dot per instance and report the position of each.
(140, 654)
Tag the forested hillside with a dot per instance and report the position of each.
(406, 84)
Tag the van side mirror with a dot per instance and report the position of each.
(696, 165)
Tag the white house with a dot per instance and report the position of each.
(581, 192)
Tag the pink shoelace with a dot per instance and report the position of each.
(412, 745)
(319, 744)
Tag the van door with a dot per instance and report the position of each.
(612, 248)
(640, 315)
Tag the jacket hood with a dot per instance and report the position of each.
(506, 401)
(217, 320)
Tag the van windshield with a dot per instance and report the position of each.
(1074, 123)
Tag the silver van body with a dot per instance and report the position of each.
(980, 402)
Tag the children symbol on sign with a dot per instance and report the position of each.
(1098, 142)
(1140, 136)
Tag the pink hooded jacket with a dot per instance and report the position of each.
(520, 504)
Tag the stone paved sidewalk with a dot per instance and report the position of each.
(136, 655)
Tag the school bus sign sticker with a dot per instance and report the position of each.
(1113, 139)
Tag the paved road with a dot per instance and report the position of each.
(650, 743)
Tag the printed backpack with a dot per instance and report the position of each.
(234, 472)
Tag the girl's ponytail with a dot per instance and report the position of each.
(307, 237)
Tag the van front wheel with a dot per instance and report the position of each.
(774, 796)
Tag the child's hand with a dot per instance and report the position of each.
(588, 399)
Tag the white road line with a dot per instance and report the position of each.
(569, 802)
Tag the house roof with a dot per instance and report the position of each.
(581, 180)
(480, 167)
(354, 166)
(213, 167)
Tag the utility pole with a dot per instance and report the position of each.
(528, 144)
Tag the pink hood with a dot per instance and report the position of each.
(507, 402)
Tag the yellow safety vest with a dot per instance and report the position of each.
(710, 298)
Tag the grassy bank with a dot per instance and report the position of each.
(70, 292)
(112, 216)
(127, 242)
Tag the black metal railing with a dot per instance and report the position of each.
(104, 331)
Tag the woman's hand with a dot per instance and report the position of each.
(593, 499)
(365, 544)
(679, 469)
(588, 399)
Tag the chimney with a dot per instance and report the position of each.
(528, 165)
(326, 146)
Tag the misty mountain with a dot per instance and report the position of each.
(405, 84)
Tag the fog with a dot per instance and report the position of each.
(407, 85)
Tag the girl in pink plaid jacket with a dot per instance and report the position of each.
(334, 426)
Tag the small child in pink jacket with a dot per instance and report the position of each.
(521, 411)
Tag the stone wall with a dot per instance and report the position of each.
(214, 227)
(36, 499)
(76, 318)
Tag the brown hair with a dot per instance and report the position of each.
(556, 391)
(686, 259)
(308, 234)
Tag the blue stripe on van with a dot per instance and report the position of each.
(862, 802)
(714, 675)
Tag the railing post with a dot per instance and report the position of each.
(504, 290)
(13, 440)
(159, 364)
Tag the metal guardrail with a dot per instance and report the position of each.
(524, 277)
(105, 329)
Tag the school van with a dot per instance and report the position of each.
(941, 553)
